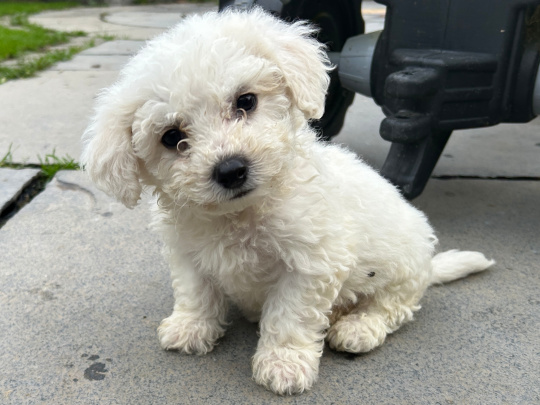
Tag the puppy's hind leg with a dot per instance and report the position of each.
(366, 326)
(199, 312)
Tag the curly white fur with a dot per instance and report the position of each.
(320, 246)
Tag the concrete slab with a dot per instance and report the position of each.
(89, 21)
(12, 182)
(506, 150)
(133, 22)
(48, 112)
(98, 63)
(109, 56)
(113, 48)
(145, 19)
(83, 288)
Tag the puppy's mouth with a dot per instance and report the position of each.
(242, 194)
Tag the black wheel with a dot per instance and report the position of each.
(337, 20)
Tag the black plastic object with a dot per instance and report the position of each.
(442, 65)
(337, 20)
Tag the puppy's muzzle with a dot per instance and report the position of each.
(231, 173)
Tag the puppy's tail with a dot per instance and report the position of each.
(454, 264)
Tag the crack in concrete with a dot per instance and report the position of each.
(471, 177)
(30, 190)
(66, 185)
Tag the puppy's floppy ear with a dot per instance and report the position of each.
(108, 155)
(305, 65)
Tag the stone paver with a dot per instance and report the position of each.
(115, 48)
(98, 63)
(12, 182)
(506, 150)
(133, 22)
(48, 112)
(108, 56)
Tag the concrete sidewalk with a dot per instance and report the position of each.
(83, 285)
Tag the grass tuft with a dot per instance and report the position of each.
(7, 159)
(51, 164)
(32, 7)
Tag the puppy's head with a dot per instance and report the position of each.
(210, 113)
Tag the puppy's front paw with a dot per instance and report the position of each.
(285, 371)
(178, 332)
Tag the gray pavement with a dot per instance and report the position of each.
(83, 285)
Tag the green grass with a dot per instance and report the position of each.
(19, 37)
(26, 37)
(28, 67)
(49, 165)
(32, 7)
(15, 42)
(7, 159)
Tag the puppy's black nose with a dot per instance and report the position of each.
(232, 172)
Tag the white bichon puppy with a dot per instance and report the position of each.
(301, 235)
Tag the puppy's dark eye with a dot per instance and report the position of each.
(172, 137)
(246, 102)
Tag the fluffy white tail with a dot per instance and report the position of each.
(453, 264)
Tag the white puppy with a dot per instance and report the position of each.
(301, 235)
